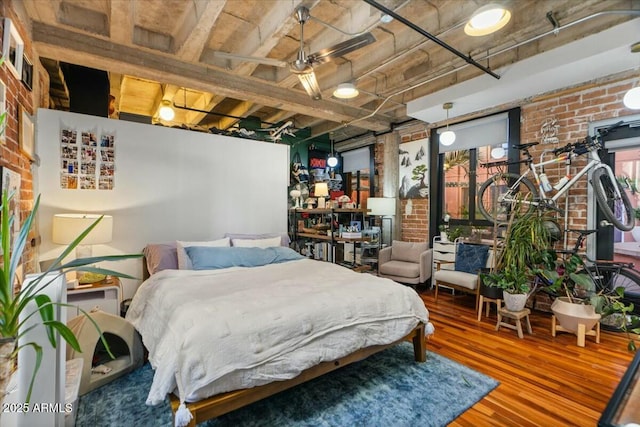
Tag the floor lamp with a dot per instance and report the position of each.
(383, 207)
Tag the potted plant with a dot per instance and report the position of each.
(525, 240)
(577, 301)
(14, 303)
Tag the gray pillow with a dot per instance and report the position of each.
(407, 251)
(161, 256)
(283, 242)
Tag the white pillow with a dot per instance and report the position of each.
(257, 243)
(184, 262)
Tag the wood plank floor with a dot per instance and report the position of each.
(544, 381)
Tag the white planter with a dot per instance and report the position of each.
(515, 302)
(443, 236)
(635, 232)
(569, 315)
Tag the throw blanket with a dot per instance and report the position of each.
(214, 331)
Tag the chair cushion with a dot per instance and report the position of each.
(471, 258)
(452, 277)
(407, 251)
(400, 268)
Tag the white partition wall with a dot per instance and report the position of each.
(169, 184)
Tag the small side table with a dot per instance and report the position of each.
(104, 294)
(517, 316)
(487, 302)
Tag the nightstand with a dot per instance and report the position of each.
(104, 294)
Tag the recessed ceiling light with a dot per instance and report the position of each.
(487, 19)
(346, 91)
(385, 19)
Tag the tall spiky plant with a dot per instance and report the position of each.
(14, 305)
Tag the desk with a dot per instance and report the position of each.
(104, 294)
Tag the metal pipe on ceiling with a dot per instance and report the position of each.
(431, 37)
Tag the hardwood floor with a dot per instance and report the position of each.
(544, 381)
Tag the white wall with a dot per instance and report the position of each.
(170, 184)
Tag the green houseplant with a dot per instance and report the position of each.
(525, 240)
(13, 303)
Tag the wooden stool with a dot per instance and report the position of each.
(487, 301)
(581, 333)
(515, 315)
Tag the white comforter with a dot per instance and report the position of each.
(214, 331)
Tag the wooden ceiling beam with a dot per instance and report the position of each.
(121, 21)
(83, 49)
(193, 34)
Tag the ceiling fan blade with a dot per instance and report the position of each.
(310, 84)
(341, 49)
(265, 61)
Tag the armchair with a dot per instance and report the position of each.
(406, 262)
(469, 260)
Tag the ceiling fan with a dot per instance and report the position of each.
(303, 64)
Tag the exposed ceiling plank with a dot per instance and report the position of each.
(82, 49)
(194, 34)
(121, 21)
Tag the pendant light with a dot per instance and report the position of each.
(447, 137)
(631, 99)
(346, 91)
(166, 112)
(332, 160)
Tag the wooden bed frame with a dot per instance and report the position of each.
(223, 403)
(220, 404)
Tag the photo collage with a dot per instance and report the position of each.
(86, 163)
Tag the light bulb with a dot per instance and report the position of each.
(166, 112)
(632, 99)
(447, 137)
(486, 20)
(332, 161)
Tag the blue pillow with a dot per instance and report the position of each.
(471, 258)
(211, 258)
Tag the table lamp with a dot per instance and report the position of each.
(382, 206)
(321, 190)
(67, 227)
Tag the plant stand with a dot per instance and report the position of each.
(581, 333)
(517, 316)
(487, 302)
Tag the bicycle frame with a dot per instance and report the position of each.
(593, 164)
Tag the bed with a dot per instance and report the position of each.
(248, 322)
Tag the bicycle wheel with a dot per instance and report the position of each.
(610, 277)
(497, 200)
(618, 211)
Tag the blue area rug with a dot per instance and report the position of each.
(388, 388)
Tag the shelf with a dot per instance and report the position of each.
(315, 236)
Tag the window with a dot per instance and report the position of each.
(459, 171)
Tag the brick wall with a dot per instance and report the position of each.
(19, 97)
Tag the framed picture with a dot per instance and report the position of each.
(12, 48)
(10, 181)
(356, 226)
(27, 72)
(3, 110)
(27, 134)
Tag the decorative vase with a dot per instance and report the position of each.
(8, 358)
(515, 302)
(635, 232)
(569, 314)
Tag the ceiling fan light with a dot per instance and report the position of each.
(487, 19)
(346, 91)
(166, 112)
(631, 99)
(310, 84)
(447, 137)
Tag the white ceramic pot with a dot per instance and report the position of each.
(514, 302)
(569, 315)
(635, 232)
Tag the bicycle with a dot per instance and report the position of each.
(503, 192)
(607, 276)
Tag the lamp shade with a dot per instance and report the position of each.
(381, 206)
(67, 227)
(321, 189)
